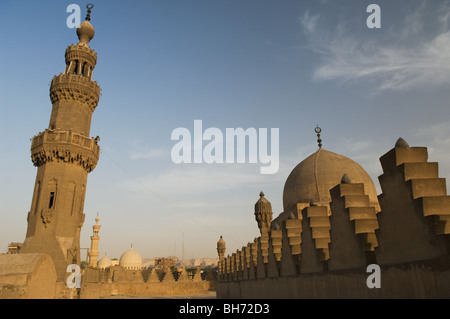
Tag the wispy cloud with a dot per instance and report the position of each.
(201, 179)
(309, 22)
(147, 154)
(400, 62)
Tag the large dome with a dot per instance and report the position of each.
(131, 259)
(312, 179)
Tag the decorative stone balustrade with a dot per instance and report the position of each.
(73, 87)
(69, 147)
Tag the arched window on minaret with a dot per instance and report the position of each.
(52, 187)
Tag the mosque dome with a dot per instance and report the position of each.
(311, 180)
(105, 262)
(131, 259)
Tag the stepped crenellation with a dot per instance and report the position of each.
(408, 225)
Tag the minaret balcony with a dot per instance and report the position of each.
(81, 52)
(74, 87)
(64, 146)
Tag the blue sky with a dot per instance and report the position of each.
(256, 63)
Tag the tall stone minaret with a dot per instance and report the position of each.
(64, 155)
(93, 253)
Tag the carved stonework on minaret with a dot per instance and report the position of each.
(66, 147)
(46, 215)
(64, 154)
(73, 87)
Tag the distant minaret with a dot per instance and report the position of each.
(93, 253)
(64, 155)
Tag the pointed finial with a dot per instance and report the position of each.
(88, 15)
(401, 143)
(346, 180)
(261, 194)
(318, 130)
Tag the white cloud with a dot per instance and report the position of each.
(392, 68)
(309, 22)
(399, 63)
(147, 154)
(201, 179)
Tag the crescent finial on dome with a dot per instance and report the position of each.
(318, 130)
(88, 15)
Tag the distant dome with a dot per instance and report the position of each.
(105, 262)
(312, 179)
(131, 259)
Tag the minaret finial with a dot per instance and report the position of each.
(318, 130)
(88, 15)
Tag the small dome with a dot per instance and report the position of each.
(311, 180)
(131, 259)
(221, 243)
(85, 32)
(105, 262)
(263, 205)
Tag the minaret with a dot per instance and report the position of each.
(93, 253)
(221, 247)
(263, 214)
(64, 155)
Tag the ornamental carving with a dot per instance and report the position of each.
(80, 56)
(66, 155)
(47, 216)
(72, 87)
(81, 50)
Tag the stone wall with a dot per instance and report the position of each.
(116, 281)
(315, 253)
(27, 276)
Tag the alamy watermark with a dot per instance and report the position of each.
(374, 279)
(235, 146)
(74, 19)
(374, 19)
(74, 279)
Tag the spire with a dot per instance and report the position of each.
(318, 130)
(96, 227)
(88, 15)
(263, 213)
(221, 247)
(345, 179)
(86, 31)
(401, 143)
(93, 253)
